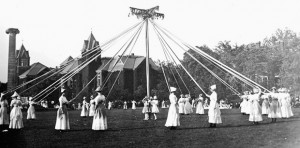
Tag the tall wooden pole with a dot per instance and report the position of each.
(147, 59)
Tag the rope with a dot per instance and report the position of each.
(222, 81)
(159, 35)
(165, 77)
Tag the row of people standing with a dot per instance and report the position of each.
(150, 107)
(88, 109)
(214, 113)
(276, 104)
(99, 117)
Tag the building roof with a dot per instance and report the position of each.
(66, 61)
(22, 52)
(132, 63)
(72, 65)
(34, 70)
(89, 44)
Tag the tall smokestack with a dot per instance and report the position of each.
(12, 63)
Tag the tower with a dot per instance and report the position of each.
(12, 65)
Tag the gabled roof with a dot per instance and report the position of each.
(34, 70)
(22, 52)
(132, 63)
(90, 43)
(66, 61)
(72, 65)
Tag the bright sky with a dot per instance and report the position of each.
(54, 29)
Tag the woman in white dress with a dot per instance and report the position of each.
(109, 105)
(284, 99)
(16, 117)
(181, 104)
(265, 107)
(154, 108)
(188, 109)
(100, 118)
(84, 111)
(173, 119)
(244, 103)
(133, 104)
(255, 108)
(214, 113)
(4, 118)
(31, 111)
(92, 107)
(146, 110)
(125, 105)
(199, 106)
(62, 119)
(275, 111)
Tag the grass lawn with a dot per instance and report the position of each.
(127, 129)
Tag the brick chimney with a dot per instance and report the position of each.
(12, 63)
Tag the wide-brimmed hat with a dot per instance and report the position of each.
(213, 87)
(155, 97)
(15, 95)
(98, 89)
(172, 89)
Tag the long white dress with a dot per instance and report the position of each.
(16, 116)
(100, 118)
(109, 105)
(154, 108)
(265, 108)
(125, 105)
(244, 104)
(248, 105)
(92, 108)
(188, 109)
(173, 118)
(84, 110)
(275, 111)
(199, 106)
(4, 118)
(181, 105)
(133, 104)
(193, 103)
(255, 108)
(31, 111)
(214, 113)
(285, 105)
(62, 119)
(146, 108)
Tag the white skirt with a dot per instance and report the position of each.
(173, 118)
(84, 111)
(92, 110)
(188, 109)
(199, 108)
(62, 119)
(154, 109)
(214, 114)
(16, 117)
(133, 106)
(100, 119)
(286, 111)
(255, 112)
(31, 113)
(265, 109)
(4, 119)
(275, 111)
(181, 108)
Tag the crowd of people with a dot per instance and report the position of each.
(275, 104)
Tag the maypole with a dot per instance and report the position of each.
(147, 14)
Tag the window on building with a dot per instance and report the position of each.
(24, 62)
(99, 79)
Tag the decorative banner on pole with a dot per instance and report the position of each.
(146, 13)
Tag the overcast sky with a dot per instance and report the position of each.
(54, 29)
